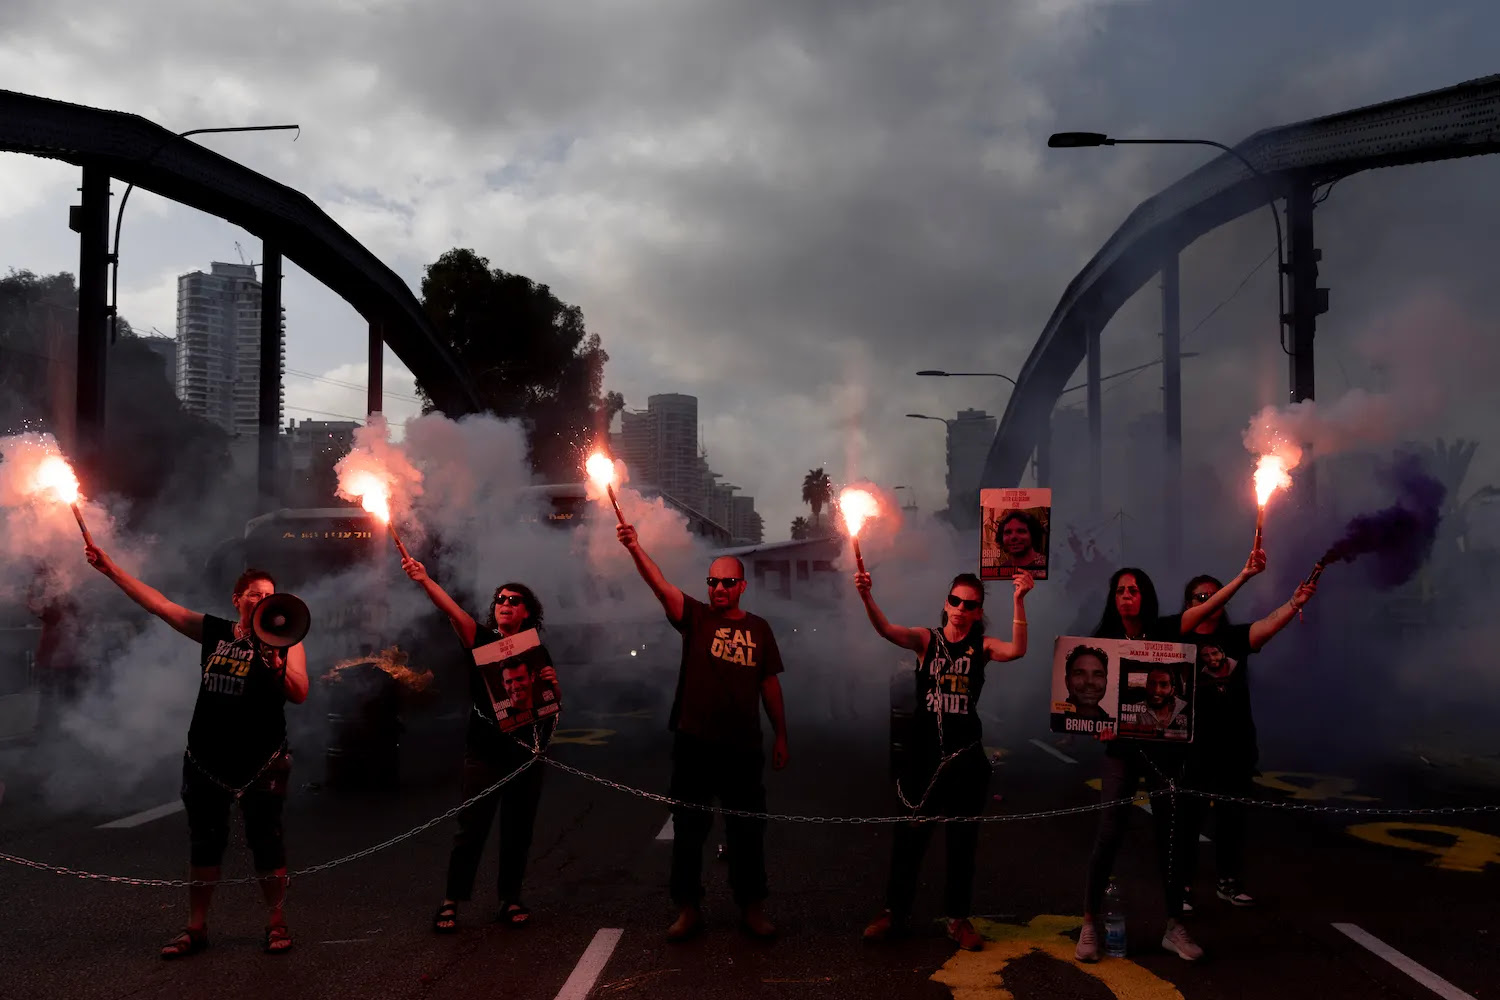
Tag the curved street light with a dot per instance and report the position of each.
(1075, 140)
(114, 257)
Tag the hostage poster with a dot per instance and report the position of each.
(1015, 533)
(511, 668)
(1133, 688)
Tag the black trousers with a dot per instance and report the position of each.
(702, 772)
(208, 807)
(1173, 821)
(958, 790)
(486, 760)
(1229, 820)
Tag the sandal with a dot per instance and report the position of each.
(276, 934)
(515, 914)
(191, 941)
(445, 920)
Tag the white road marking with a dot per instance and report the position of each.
(1420, 973)
(142, 818)
(586, 972)
(1049, 748)
(1147, 806)
(666, 831)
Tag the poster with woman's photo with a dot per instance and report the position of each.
(1015, 533)
(511, 668)
(1134, 689)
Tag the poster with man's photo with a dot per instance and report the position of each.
(511, 668)
(1015, 533)
(1132, 688)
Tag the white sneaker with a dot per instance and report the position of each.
(1178, 941)
(1088, 943)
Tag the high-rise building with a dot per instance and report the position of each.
(659, 446)
(218, 347)
(745, 523)
(969, 437)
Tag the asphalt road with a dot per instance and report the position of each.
(1346, 902)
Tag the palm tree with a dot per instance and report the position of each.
(817, 491)
(800, 529)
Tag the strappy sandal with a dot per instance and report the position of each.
(191, 941)
(446, 914)
(275, 935)
(516, 914)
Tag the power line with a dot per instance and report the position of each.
(1206, 316)
(322, 413)
(348, 385)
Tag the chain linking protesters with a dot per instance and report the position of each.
(949, 774)
(1223, 755)
(236, 748)
(730, 663)
(490, 754)
(1131, 611)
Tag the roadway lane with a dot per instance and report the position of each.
(362, 929)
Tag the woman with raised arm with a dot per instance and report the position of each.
(1223, 756)
(490, 754)
(236, 746)
(949, 773)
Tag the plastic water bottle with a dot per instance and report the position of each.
(1114, 921)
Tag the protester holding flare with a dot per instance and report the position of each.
(236, 749)
(1223, 755)
(949, 772)
(490, 754)
(730, 666)
(1131, 610)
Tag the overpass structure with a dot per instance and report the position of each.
(115, 145)
(1289, 162)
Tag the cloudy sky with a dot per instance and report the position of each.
(785, 209)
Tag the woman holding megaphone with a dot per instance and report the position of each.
(250, 667)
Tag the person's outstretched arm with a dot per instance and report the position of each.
(667, 593)
(1262, 631)
(914, 639)
(1000, 650)
(463, 623)
(1194, 616)
(188, 622)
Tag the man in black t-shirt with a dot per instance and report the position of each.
(236, 747)
(729, 667)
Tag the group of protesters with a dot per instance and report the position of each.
(729, 671)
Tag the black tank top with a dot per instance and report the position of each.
(950, 676)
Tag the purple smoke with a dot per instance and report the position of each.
(1400, 536)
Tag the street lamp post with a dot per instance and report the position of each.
(1308, 301)
(954, 498)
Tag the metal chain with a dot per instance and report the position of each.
(356, 856)
(827, 820)
(1170, 790)
(239, 792)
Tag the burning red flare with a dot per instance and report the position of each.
(857, 506)
(54, 475)
(1270, 476)
(372, 493)
(601, 472)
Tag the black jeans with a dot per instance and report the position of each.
(959, 790)
(1229, 819)
(1173, 823)
(702, 772)
(487, 759)
(208, 807)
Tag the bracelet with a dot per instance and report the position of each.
(1018, 621)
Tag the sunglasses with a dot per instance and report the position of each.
(728, 582)
(510, 600)
(954, 601)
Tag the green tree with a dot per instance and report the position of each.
(801, 529)
(817, 492)
(529, 355)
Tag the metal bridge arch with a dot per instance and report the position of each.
(116, 145)
(1463, 120)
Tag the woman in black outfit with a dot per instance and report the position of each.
(1131, 611)
(1223, 755)
(491, 754)
(949, 773)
